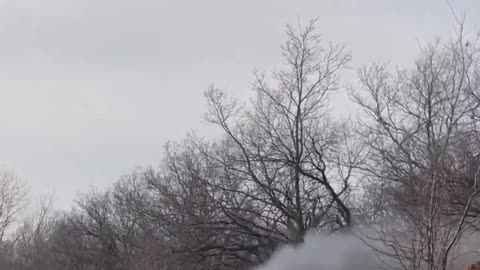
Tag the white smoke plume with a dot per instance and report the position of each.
(322, 252)
(348, 252)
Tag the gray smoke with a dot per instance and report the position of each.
(348, 252)
(323, 252)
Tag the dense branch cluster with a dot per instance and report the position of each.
(286, 166)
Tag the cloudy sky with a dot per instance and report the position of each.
(89, 89)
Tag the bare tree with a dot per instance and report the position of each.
(186, 212)
(284, 156)
(419, 126)
(32, 249)
(13, 199)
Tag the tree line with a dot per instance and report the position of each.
(408, 166)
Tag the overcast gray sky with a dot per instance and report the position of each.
(89, 89)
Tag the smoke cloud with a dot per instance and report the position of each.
(349, 252)
(324, 252)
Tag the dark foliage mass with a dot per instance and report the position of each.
(408, 166)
